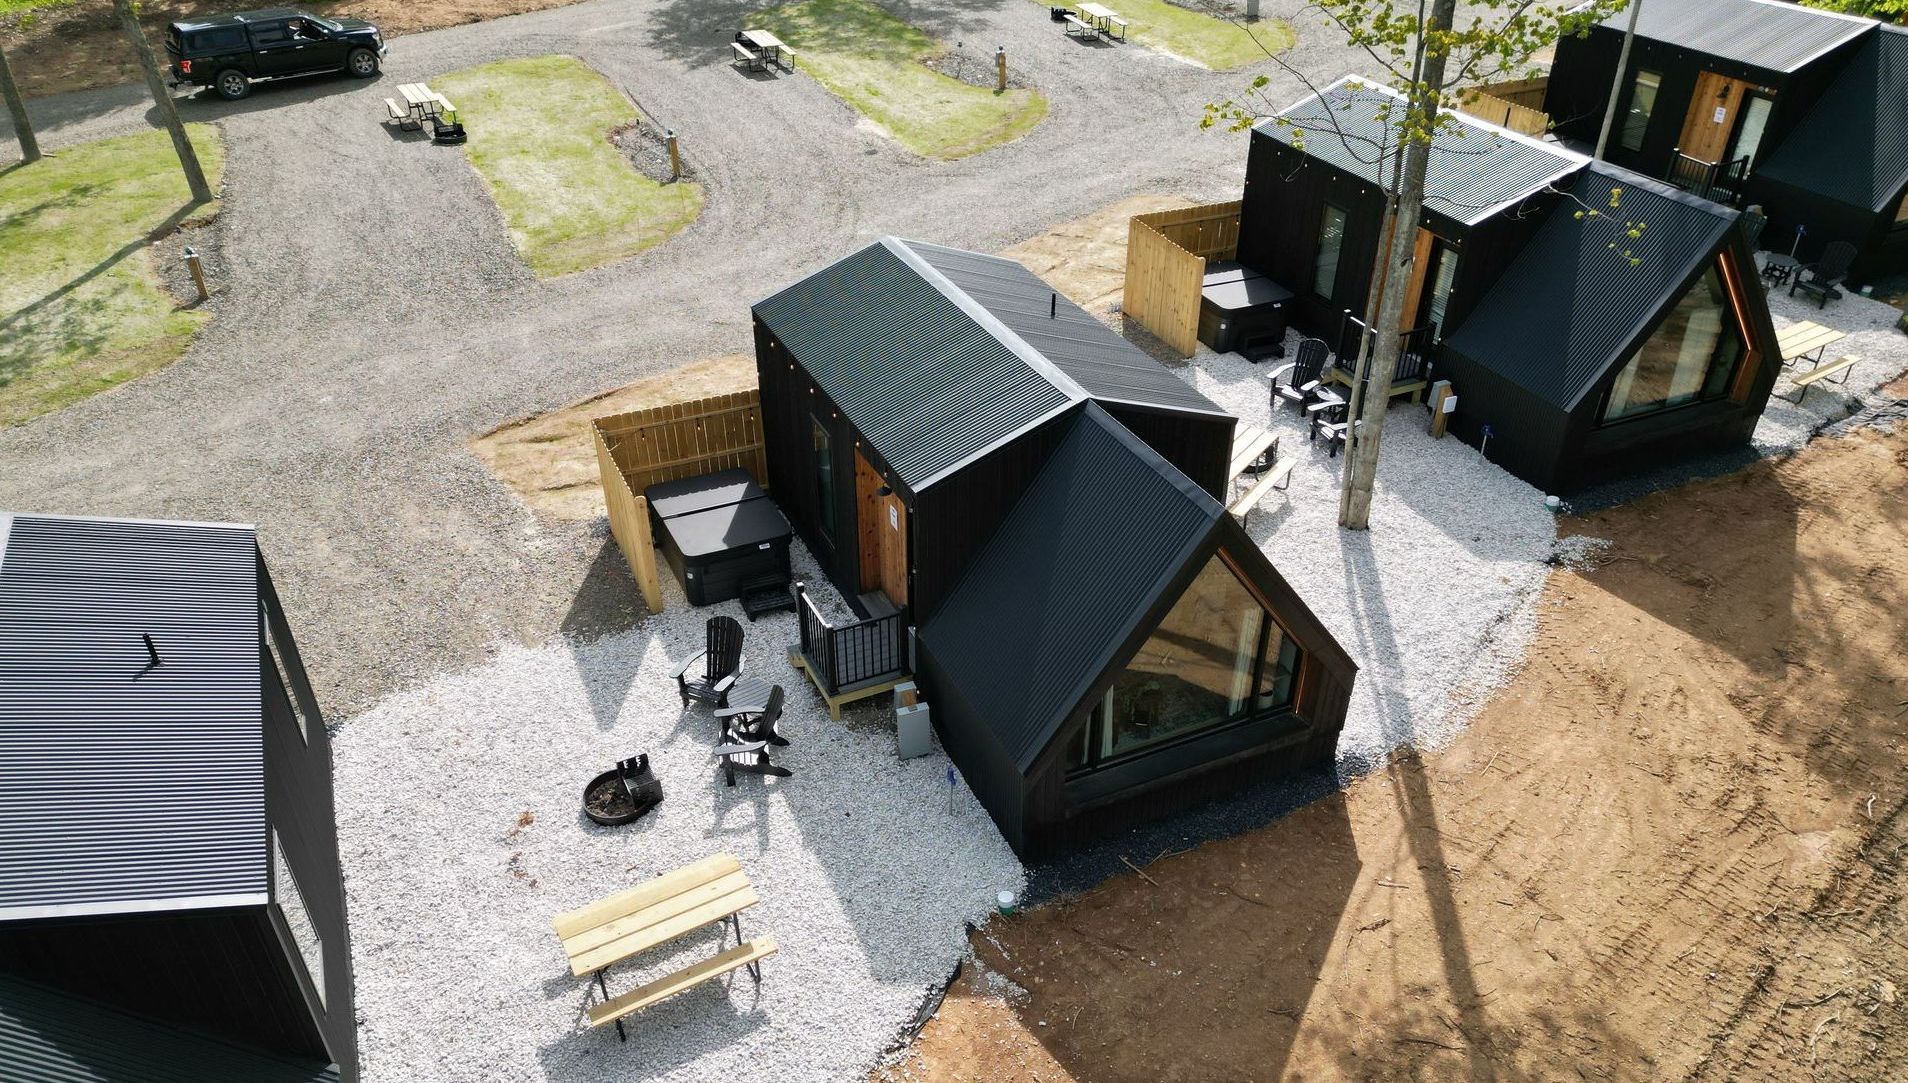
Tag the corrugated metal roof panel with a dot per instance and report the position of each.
(51, 1036)
(924, 381)
(1474, 170)
(1093, 355)
(1769, 34)
(128, 787)
(1853, 145)
(1567, 307)
(1066, 578)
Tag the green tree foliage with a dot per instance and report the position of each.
(1894, 11)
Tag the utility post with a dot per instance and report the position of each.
(1000, 68)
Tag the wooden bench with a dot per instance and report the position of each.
(1115, 20)
(745, 55)
(1080, 28)
(1843, 365)
(787, 57)
(749, 954)
(1279, 477)
(445, 108)
(612, 929)
(402, 115)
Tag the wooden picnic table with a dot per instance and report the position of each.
(424, 102)
(770, 45)
(712, 891)
(1807, 339)
(1104, 19)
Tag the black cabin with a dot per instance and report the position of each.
(1755, 102)
(165, 812)
(1039, 500)
(1571, 363)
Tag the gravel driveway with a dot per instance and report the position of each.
(374, 316)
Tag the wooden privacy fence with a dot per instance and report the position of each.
(1515, 105)
(1166, 254)
(663, 443)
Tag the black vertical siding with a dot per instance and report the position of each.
(223, 970)
(954, 518)
(1527, 432)
(989, 771)
(790, 399)
(300, 807)
(1200, 446)
(1284, 201)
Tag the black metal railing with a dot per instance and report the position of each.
(851, 655)
(1720, 181)
(1415, 354)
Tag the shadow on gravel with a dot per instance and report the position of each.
(206, 106)
(698, 32)
(605, 602)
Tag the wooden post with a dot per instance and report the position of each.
(1000, 68)
(22, 125)
(197, 267)
(1440, 415)
(675, 156)
(162, 98)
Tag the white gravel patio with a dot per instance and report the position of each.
(1785, 425)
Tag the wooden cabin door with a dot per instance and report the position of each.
(1712, 116)
(882, 534)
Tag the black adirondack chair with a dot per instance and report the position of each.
(747, 733)
(1329, 421)
(1820, 278)
(1302, 375)
(1753, 222)
(721, 660)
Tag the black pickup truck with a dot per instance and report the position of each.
(228, 52)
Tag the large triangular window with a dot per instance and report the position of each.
(1691, 357)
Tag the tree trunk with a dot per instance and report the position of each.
(1366, 434)
(162, 98)
(22, 126)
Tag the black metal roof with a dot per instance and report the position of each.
(1105, 365)
(1066, 579)
(1853, 145)
(1475, 169)
(1770, 34)
(1568, 307)
(51, 1036)
(939, 356)
(129, 787)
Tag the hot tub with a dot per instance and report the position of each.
(719, 532)
(1242, 311)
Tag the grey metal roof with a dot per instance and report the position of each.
(931, 382)
(939, 356)
(1475, 169)
(1770, 34)
(1067, 577)
(125, 787)
(1568, 308)
(51, 1036)
(1105, 365)
(1853, 145)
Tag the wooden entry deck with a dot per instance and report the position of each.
(850, 662)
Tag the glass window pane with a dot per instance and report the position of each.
(1331, 239)
(1636, 122)
(1278, 677)
(284, 679)
(1442, 280)
(1901, 212)
(1690, 357)
(291, 902)
(823, 447)
(1196, 669)
(1755, 120)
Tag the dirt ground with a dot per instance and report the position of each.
(78, 46)
(550, 461)
(1672, 848)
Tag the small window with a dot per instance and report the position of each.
(823, 446)
(218, 41)
(1331, 241)
(1636, 121)
(1443, 277)
(284, 677)
(270, 34)
(1901, 211)
(291, 903)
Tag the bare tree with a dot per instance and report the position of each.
(16, 105)
(1426, 54)
(162, 98)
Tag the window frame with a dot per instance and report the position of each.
(1327, 209)
(826, 498)
(280, 671)
(1629, 107)
(1094, 732)
(281, 862)
(282, 27)
(1733, 327)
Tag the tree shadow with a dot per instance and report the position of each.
(698, 32)
(118, 255)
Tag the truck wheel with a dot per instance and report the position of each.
(362, 63)
(232, 84)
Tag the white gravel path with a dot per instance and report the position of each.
(865, 876)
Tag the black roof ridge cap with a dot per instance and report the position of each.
(1652, 185)
(977, 312)
(245, 528)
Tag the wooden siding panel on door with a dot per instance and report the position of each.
(893, 546)
(1711, 119)
(868, 516)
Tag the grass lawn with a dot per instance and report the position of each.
(539, 138)
(81, 305)
(1207, 40)
(871, 60)
(9, 7)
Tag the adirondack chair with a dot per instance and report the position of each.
(1820, 278)
(721, 660)
(1301, 375)
(747, 733)
(1753, 222)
